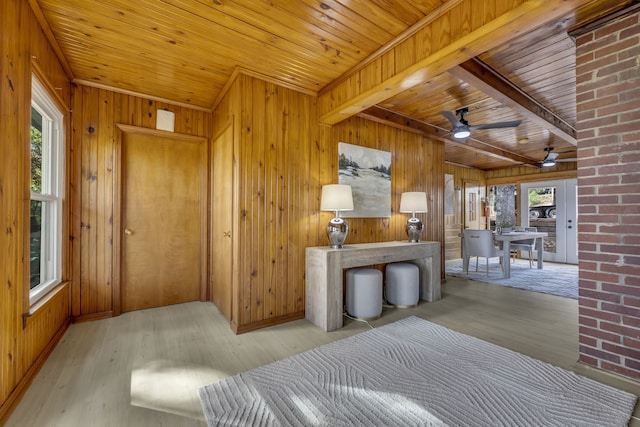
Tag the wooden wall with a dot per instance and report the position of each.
(527, 174)
(283, 159)
(94, 135)
(23, 345)
(275, 139)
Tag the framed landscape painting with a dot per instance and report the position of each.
(368, 171)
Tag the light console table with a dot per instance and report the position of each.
(323, 276)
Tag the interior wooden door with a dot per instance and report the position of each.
(222, 206)
(163, 240)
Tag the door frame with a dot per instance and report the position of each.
(566, 219)
(118, 182)
(472, 187)
(230, 310)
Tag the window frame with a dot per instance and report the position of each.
(52, 190)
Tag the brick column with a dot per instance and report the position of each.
(608, 123)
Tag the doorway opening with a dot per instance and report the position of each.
(550, 206)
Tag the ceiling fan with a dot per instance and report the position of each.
(552, 158)
(462, 129)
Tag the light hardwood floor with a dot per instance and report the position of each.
(143, 368)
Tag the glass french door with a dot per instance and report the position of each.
(472, 205)
(552, 207)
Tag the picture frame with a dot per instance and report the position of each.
(368, 171)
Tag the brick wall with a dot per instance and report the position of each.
(608, 101)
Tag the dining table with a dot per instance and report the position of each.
(513, 236)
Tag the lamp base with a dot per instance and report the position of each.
(414, 229)
(337, 231)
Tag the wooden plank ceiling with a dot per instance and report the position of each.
(186, 51)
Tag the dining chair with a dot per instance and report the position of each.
(528, 245)
(479, 243)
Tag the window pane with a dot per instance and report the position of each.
(542, 214)
(36, 151)
(35, 253)
(47, 175)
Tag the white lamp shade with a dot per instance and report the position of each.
(413, 201)
(336, 197)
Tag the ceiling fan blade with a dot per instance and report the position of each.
(497, 125)
(551, 156)
(452, 118)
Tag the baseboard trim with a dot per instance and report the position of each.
(16, 394)
(93, 316)
(241, 329)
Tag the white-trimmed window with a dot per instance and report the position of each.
(47, 182)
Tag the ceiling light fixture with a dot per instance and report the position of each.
(462, 129)
(524, 140)
(550, 158)
(461, 134)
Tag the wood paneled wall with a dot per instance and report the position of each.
(94, 133)
(24, 343)
(515, 175)
(283, 159)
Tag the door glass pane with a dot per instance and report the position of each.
(542, 214)
(35, 253)
(36, 151)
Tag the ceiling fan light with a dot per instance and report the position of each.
(461, 134)
(548, 163)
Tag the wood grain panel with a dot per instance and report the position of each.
(186, 51)
(227, 118)
(449, 44)
(284, 158)
(27, 335)
(565, 170)
(357, 54)
(94, 134)
(222, 214)
(163, 217)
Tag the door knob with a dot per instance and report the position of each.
(128, 232)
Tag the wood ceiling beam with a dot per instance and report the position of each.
(393, 119)
(487, 80)
(441, 43)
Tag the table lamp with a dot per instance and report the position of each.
(336, 197)
(414, 201)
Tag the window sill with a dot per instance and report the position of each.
(60, 287)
